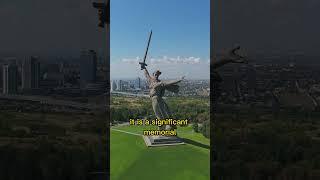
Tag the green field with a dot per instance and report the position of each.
(131, 159)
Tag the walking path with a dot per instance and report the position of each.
(125, 132)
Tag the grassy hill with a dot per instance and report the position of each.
(131, 159)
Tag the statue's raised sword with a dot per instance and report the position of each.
(143, 64)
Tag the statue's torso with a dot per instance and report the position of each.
(156, 88)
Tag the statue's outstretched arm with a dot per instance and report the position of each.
(220, 62)
(230, 57)
(173, 82)
(147, 75)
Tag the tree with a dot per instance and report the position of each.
(195, 127)
(205, 130)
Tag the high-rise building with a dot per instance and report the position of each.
(30, 73)
(119, 85)
(113, 85)
(138, 83)
(88, 67)
(10, 79)
(5, 61)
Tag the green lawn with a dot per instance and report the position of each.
(131, 159)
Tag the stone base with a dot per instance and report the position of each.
(152, 141)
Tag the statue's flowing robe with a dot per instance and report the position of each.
(157, 90)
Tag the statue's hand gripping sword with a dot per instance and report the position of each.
(143, 64)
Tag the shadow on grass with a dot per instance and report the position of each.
(195, 143)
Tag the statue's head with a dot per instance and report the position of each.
(157, 73)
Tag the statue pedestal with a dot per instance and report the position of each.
(152, 141)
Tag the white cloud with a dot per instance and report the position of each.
(166, 60)
(130, 60)
(172, 67)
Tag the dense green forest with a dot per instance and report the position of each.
(195, 109)
(251, 143)
(50, 146)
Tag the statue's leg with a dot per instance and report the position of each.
(165, 109)
(157, 110)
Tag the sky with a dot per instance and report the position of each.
(268, 26)
(181, 30)
(49, 27)
(180, 44)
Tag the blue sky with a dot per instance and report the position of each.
(181, 33)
